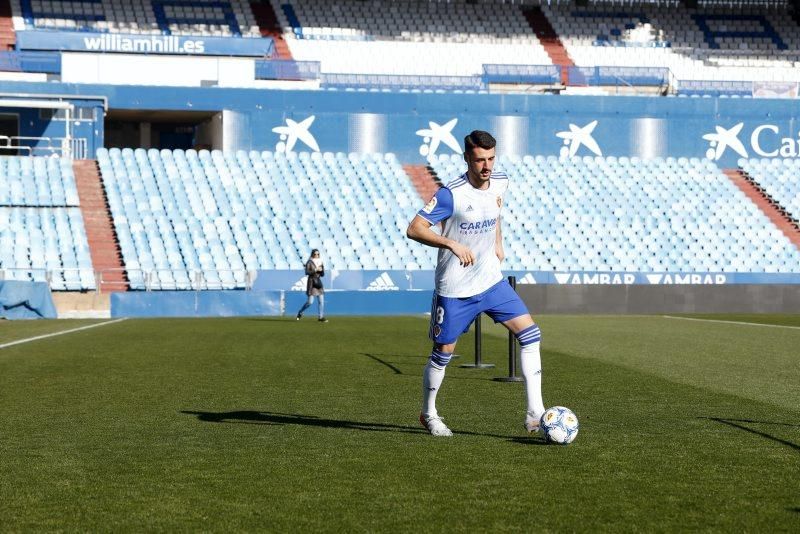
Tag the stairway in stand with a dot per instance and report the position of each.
(549, 38)
(8, 39)
(765, 204)
(423, 181)
(103, 244)
(269, 26)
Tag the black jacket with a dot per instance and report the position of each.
(313, 274)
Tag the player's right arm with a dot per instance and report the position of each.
(438, 209)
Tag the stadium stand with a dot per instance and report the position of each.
(463, 46)
(42, 235)
(222, 214)
(209, 219)
(429, 38)
(231, 18)
(778, 179)
(179, 213)
(703, 43)
(630, 214)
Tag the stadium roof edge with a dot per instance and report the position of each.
(44, 104)
(44, 100)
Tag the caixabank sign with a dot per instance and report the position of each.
(419, 127)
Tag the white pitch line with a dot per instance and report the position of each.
(732, 322)
(27, 340)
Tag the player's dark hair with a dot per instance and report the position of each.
(478, 138)
(314, 251)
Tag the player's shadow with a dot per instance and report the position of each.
(271, 319)
(740, 424)
(378, 358)
(530, 440)
(252, 417)
(271, 418)
(416, 360)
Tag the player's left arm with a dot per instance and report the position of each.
(498, 242)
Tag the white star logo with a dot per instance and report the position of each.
(723, 139)
(294, 131)
(577, 137)
(437, 134)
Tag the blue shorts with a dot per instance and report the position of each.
(451, 316)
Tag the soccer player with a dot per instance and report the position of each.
(468, 277)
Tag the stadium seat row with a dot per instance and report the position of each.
(631, 214)
(208, 219)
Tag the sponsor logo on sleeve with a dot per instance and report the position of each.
(430, 205)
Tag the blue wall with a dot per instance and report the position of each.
(264, 303)
(195, 303)
(524, 124)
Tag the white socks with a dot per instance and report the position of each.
(432, 378)
(531, 364)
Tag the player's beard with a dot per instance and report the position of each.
(479, 179)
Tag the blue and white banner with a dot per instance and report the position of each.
(612, 278)
(391, 280)
(367, 280)
(128, 43)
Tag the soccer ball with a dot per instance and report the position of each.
(559, 425)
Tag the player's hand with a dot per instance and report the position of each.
(464, 254)
(501, 255)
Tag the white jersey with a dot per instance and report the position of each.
(469, 216)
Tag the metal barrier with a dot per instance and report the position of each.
(619, 76)
(523, 74)
(30, 61)
(73, 279)
(70, 147)
(401, 82)
(176, 280)
(717, 88)
(287, 70)
(138, 279)
(492, 73)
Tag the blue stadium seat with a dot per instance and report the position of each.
(631, 214)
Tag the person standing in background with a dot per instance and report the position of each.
(315, 269)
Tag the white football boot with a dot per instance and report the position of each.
(435, 425)
(533, 423)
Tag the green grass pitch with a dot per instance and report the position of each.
(274, 425)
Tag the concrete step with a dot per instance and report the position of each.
(548, 37)
(422, 180)
(268, 26)
(99, 225)
(69, 304)
(765, 204)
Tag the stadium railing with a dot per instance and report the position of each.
(615, 76)
(715, 88)
(58, 279)
(28, 61)
(170, 279)
(401, 82)
(287, 70)
(532, 74)
(74, 147)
